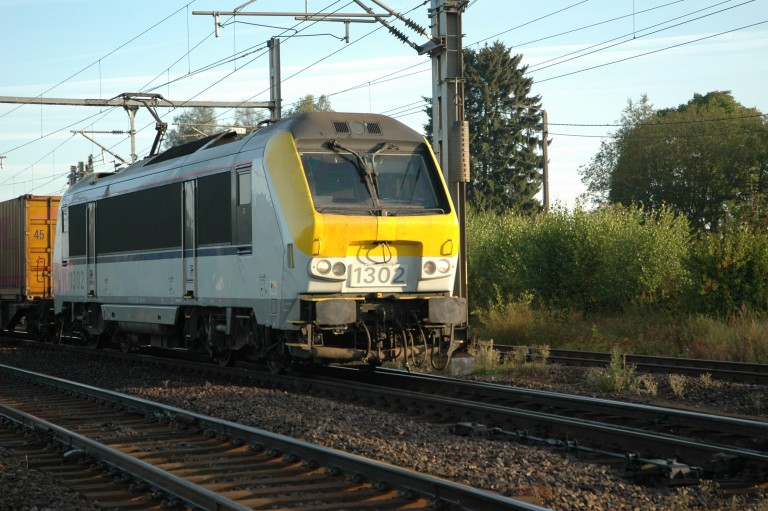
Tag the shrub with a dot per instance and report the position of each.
(602, 260)
(729, 272)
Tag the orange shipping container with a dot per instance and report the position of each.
(27, 230)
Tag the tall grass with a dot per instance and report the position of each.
(742, 338)
(619, 277)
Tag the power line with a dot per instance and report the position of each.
(102, 58)
(653, 51)
(311, 23)
(580, 28)
(529, 22)
(657, 137)
(38, 161)
(717, 119)
(540, 66)
(596, 24)
(181, 105)
(403, 110)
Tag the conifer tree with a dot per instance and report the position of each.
(505, 131)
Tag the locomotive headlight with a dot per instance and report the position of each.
(328, 269)
(435, 268)
(323, 267)
(339, 269)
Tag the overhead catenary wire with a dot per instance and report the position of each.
(653, 51)
(181, 105)
(399, 110)
(540, 18)
(626, 37)
(311, 23)
(316, 62)
(65, 80)
(584, 27)
(664, 123)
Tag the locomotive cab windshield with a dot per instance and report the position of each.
(385, 182)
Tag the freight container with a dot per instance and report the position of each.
(27, 230)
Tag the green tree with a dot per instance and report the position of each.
(598, 174)
(308, 103)
(706, 159)
(192, 124)
(505, 127)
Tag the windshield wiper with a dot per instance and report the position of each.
(416, 211)
(366, 172)
(348, 210)
(372, 156)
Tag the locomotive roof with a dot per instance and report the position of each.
(310, 128)
(328, 125)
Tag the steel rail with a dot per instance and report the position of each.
(437, 490)
(661, 416)
(192, 494)
(747, 372)
(649, 444)
(688, 450)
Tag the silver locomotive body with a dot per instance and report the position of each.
(326, 237)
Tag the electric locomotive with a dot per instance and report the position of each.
(321, 238)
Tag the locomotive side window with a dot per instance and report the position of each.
(214, 209)
(243, 188)
(243, 208)
(64, 219)
(145, 220)
(77, 231)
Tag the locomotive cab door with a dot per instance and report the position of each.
(90, 251)
(189, 252)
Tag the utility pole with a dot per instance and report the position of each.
(450, 131)
(545, 170)
(275, 90)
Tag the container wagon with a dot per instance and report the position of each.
(27, 230)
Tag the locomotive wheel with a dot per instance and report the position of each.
(91, 341)
(58, 331)
(223, 357)
(276, 366)
(125, 344)
(277, 359)
(440, 354)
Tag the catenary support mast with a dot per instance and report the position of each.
(132, 101)
(449, 129)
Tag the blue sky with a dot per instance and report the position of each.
(101, 48)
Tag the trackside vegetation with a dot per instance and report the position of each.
(621, 277)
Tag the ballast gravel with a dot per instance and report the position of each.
(538, 475)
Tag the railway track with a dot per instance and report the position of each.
(731, 371)
(717, 446)
(180, 459)
(662, 443)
